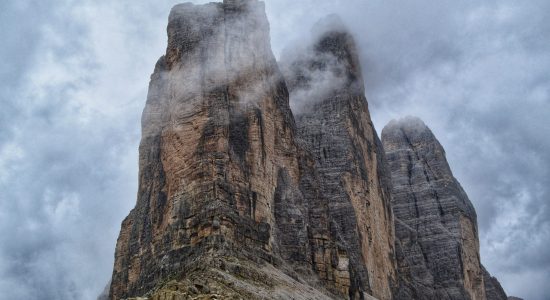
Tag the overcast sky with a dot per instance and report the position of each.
(73, 83)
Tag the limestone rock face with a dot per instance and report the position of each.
(217, 145)
(228, 194)
(435, 223)
(237, 199)
(333, 120)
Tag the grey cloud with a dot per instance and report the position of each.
(314, 83)
(68, 144)
(74, 79)
(15, 53)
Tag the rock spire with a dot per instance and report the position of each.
(436, 229)
(241, 197)
(230, 195)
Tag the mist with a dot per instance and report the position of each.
(74, 83)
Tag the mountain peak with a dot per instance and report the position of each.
(410, 126)
(434, 219)
(238, 199)
(331, 23)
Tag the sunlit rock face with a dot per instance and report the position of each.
(436, 230)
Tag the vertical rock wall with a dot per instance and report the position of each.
(217, 139)
(436, 228)
(334, 122)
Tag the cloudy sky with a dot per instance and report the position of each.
(73, 82)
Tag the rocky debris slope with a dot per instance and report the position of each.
(333, 120)
(237, 281)
(435, 223)
(228, 195)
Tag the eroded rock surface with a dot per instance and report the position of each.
(333, 121)
(238, 200)
(217, 145)
(436, 228)
(223, 177)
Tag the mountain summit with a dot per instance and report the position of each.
(241, 198)
(435, 223)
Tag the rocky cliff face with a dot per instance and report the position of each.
(435, 223)
(333, 121)
(217, 143)
(228, 195)
(238, 199)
